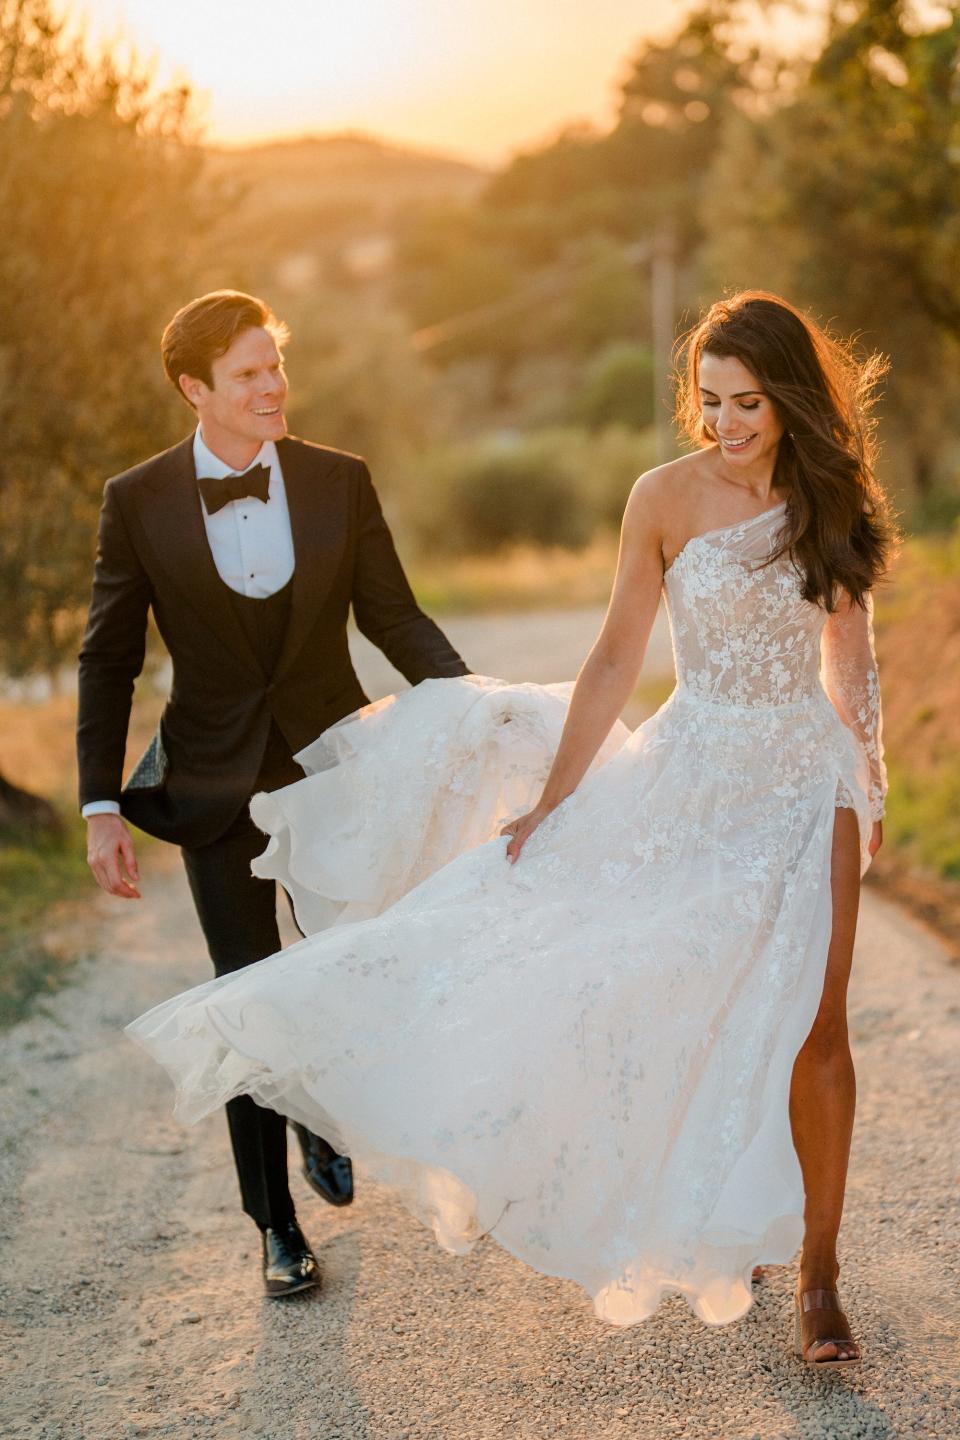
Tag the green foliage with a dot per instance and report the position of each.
(829, 173)
(33, 877)
(607, 296)
(517, 578)
(555, 259)
(923, 814)
(449, 261)
(100, 194)
(371, 395)
(551, 487)
(646, 174)
(618, 388)
(323, 194)
(831, 176)
(675, 104)
(936, 510)
(505, 491)
(846, 197)
(608, 463)
(919, 643)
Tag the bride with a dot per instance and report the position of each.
(617, 1043)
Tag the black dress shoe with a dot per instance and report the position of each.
(289, 1264)
(326, 1172)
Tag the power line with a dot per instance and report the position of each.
(657, 255)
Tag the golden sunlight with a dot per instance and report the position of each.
(475, 77)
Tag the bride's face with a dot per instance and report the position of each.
(737, 412)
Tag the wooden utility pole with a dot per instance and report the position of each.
(663, 267)
(657, 256)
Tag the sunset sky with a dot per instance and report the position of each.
(477, 78)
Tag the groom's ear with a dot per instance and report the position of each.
(192, 389)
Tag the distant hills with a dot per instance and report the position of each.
(296, 211)
(348, 164)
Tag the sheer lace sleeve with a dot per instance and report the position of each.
(849, 667)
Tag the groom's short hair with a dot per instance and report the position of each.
(206, 328)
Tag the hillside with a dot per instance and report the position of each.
(323, 208)
(347, 165)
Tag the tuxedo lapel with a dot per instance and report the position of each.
(319, 520)
(172, 520)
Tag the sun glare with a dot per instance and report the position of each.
(478, 77)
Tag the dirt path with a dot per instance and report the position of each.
(541, 646)
(130, 1288)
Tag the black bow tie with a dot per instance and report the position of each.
(218, 492)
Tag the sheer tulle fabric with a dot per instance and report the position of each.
(587, 1055)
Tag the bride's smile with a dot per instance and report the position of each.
(739, 415)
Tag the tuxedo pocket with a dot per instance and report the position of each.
(150, 771)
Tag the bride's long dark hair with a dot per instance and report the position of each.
(838, 529)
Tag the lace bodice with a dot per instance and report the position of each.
(743, 635)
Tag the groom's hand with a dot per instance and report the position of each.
(112, 857)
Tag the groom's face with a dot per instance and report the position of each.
(245, 403)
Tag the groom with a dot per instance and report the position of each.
(250, 548)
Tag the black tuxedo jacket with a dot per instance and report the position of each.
(153, 553)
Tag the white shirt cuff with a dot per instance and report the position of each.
(100, 807)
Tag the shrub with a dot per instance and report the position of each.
(618, 388)
(551, 487)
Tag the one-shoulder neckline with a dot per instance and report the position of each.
(723, 530)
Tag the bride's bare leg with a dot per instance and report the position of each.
(823, 1096)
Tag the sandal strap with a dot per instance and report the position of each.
(813, 1300)
(819, 1300)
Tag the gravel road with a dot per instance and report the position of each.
(542, 646)
(130, 1287)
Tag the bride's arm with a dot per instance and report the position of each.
(849, 665)
(610, 671)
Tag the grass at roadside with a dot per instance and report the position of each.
(918, 642)
(924, 814)
(41, 879)
(521, 578)
(37, 880)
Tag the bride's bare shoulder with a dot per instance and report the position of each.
(662, 498)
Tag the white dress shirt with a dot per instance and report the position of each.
(251, 542)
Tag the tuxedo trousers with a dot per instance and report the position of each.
(238, 915)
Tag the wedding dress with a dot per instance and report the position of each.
(586, 1055)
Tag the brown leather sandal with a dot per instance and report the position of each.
(808, 1303)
